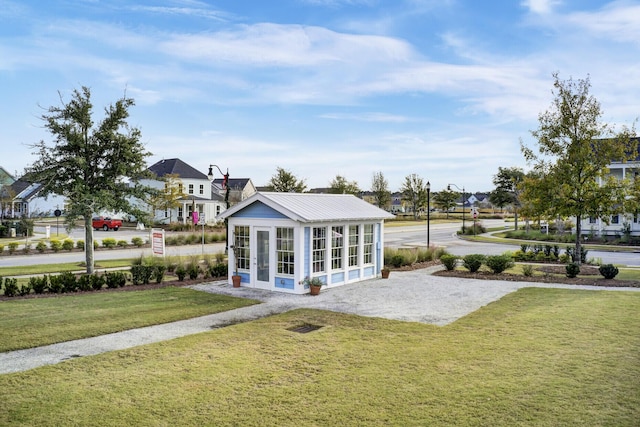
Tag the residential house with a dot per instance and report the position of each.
(26, 201)
(278, 239)
(622, 222)
(239, 189)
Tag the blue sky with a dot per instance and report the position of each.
(445, 89)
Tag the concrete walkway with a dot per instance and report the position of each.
(413, 296)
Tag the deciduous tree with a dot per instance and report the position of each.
(95, 167)
(507, 191)
(380, 190)
(286, 182)
(414, 192)
(574, 149)
(340, 185)
(446, 200)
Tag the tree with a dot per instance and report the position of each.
(414, 192)
(169, 197)
(340, 185)
(380, 190)
(95, 168)
(507, 192)
(285, 182)
(574, 149)
(445, 200)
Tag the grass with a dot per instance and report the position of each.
(40, 321)
(59, 268)
(543, 357)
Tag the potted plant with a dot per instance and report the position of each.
(385, 272)
(314, 284)
(236, 278)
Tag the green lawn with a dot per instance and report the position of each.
(537, 357)
(35, 322)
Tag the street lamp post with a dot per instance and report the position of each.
(225, 184)
(428, 211)
(449, 189)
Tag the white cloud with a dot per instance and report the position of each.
(541, 7)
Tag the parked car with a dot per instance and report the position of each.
(106, 223)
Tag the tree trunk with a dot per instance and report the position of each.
(578, 245)
(88, 245)
(515, 212)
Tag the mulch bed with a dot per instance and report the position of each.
(589, 275)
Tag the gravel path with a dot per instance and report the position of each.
(413, 296)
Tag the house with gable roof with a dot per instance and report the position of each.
(278, 239)
(198, 193)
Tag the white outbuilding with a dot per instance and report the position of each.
(278, 239)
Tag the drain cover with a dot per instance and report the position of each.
(304, 329)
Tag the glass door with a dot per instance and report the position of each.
(262, 261)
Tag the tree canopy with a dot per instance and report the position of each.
(283, 181)
(446, 200)
(414, 192)
(340, 185)
(380, 190)
(507, 191)
(95, 167)
(575, 147)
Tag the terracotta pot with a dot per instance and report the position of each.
(385, 274)
(236, 281)
(315, 290)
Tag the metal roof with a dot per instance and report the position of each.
(306, 207)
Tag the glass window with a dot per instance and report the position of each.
(354, 242)
(190, 188)
(367, 236)
(285, 250)
(201, 188)
(592, 220)
(319, 249)
(615, 219)
(241, 246)
(337, 246)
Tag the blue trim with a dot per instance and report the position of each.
(285, 283)
(307, 251)
(259, 210)
(369, 271)
(337, 277)
(354, 274)
(246, 278)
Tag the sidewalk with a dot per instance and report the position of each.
(412, 296)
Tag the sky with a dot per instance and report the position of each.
(445, 89)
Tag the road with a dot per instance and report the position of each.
(443, 235)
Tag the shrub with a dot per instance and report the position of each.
(141, 274)
(10, 287)
(193, 270)
(41, 246)
(67, 245)
(573, 269)
(137, 241)
(109, 242)
(473, 262)
(96, 245)
(13, 247)
(97, 281)
(80, 244)
(527, 270)
(115, 279)
(25, 289)
(449, 261)
(608, 271)
(56, 245)
(181, 272)
(158, 272)
(540, 256)
(84, 282)
(55, 284)
(27, 248)
(122, 244)
(499, 263)
(39, 284)
(1, 248)
(69, 281)
(219, 270)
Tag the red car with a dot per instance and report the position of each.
(106, 223)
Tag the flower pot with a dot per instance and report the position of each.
(315, 290)
(385, 274)
(236, 281)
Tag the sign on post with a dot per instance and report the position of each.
(157, 242)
